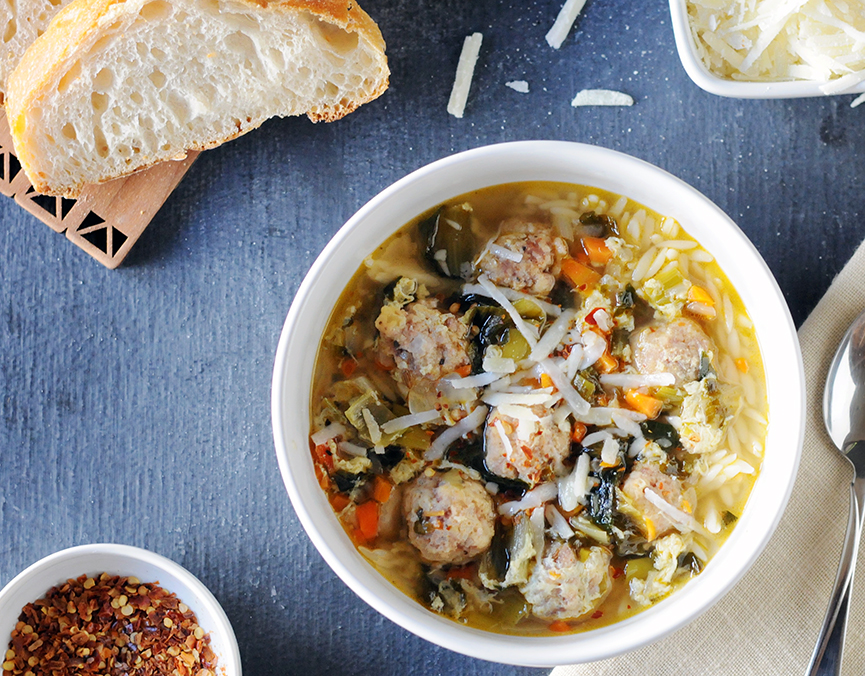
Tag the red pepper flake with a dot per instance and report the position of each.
(597, 614)
(617, 573)
(108, 625)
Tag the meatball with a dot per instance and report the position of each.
(451, 518)
(421, 341)
(674, 347)
(535, 247)
(645, 476)
(533, 450)
(562, 586)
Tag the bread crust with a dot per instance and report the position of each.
(76, 27)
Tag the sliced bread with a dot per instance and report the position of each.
(22, 22)
(114, 86)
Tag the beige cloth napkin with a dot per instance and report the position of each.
(769, 622)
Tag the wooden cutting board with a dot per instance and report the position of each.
(106, 220)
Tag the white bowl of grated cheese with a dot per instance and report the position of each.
(763, 50)
(292, 395)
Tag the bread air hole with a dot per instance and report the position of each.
(157, 78)
(104, 79)
(101, 143)
(11, 29)
(241, 44)
(99, 102)
(179, 107)
(338, 41)
(158, 10)
(70, 76)
(69, 131)
(276, 59)
(136, 98)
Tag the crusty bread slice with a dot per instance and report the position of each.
(114, 86)
(22, 21)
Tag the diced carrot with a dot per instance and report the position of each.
(597, 250)
(699, 295)
(321, 454)
(559, 625)
(582, 257)
(359, 537)
(464, 371)
(348, 366)
(650, 529)
(322, 477)
(546, 381)
(466, 572)
(381, 489)
(578, 432)
(644, 403)
(742, 364)
(367, 519)
(579, 275)
(339, 502)
(607, 363)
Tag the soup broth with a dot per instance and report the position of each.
(539, 408)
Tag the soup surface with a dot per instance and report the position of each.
(538, 408)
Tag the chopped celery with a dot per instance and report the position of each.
(639, 568)
(669, 395)
(530, 310)
(414, 438)
(516, 347)
(669, 277)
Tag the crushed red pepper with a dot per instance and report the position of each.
(108, 625)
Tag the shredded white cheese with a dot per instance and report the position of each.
(520, 86)
(465, 72)
(564, 21)
(468, 424)
(782, 40)
(325, 434)
(406, 421)
(601, 97)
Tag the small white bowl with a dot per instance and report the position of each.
(35, 581)
(703, 78)
(542, 161)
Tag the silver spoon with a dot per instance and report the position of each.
(844, 413)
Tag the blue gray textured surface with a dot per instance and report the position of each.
(135, 402)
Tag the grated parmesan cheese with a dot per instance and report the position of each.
(782, 40)
(564, 21)
(520, 86)
(465, 71)
(601, 97)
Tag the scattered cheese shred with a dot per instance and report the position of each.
(859, 100)
(520, 86)
(564, 21)
(601, 97)
(782, 40)
(465, 71)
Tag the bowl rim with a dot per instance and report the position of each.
(655, 622)
(708, 81)
(229, 661)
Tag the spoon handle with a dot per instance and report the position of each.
(826, 659)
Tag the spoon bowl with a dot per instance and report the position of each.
(844, 415)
